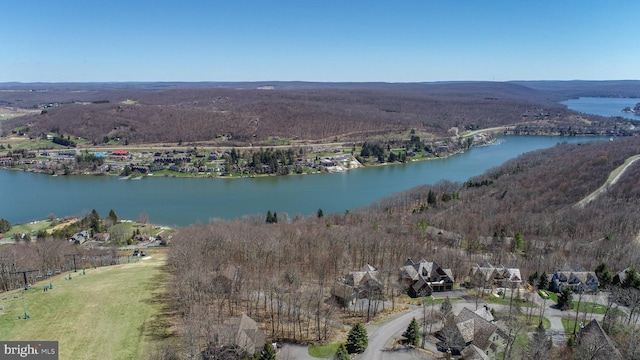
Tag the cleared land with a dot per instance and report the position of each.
(612, 179)
(113, 312)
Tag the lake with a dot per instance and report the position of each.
(603, 106)
(182, 201)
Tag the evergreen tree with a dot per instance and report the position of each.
(269, 217)
(632, 280)
(268, 352)
(603, 274)
(5, 225)
(518, 243)
(565, 298)
(341, 353)
(413, 333)
(275, 217)
(113, 217)
(127, 171)
(320, 213)
(357, 340)
(94, 222)
(431, 198)
(544, 281)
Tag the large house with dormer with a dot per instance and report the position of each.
(357, 284)
(577, 281)
(424, 277)
(495, 276)
(480, 332)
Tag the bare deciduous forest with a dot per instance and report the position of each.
(282, 273)
(348, 112)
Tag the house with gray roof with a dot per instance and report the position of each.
(242, 331)
(357, 284)
(594, 343)
(577, 281)
(477, 331)
(495, 276)
(473, 352)
(424, 277)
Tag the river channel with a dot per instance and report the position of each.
(182, 201)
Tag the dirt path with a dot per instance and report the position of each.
(613, 178)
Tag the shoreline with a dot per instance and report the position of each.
(347, 161)
(353, 164)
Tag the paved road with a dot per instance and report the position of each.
(382, 336)
(613, 178)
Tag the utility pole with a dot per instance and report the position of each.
(24, 275)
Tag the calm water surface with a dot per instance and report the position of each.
(180, 201)
(603, 106)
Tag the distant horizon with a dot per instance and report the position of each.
(333, 41)
(309, 81)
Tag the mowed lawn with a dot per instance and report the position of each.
(112, 312)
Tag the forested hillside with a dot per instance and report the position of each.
(456, 225)
(249, 115)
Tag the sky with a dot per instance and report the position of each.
(329, 40)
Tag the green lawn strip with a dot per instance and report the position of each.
(569, 325)
(106, 311)
(323, 351)
(30, 228)
(589, 307)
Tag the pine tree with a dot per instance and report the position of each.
(357, 340)
(413, 333)
(269, 217)
(341, 353)
(113, 217)
(5, 225)
(603, 274)
(94, 222)
(267, 353)
(544, 281)
(632, 280)
(431, 198)
(565, 298)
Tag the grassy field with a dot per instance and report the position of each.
(112, 312)
(323, 351)
(28, 228)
